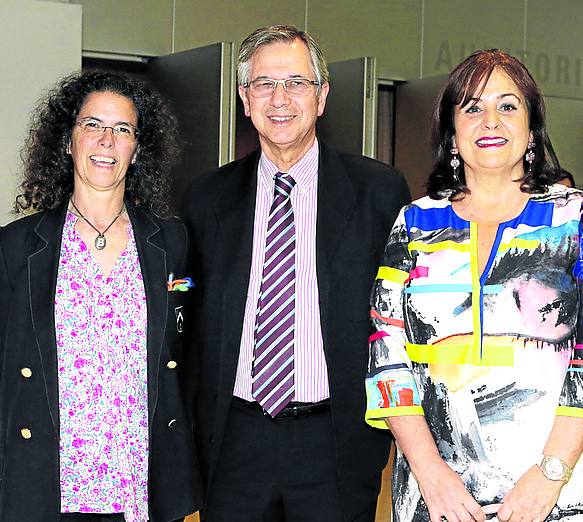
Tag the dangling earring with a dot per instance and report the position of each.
(455, 163)
(529, 156)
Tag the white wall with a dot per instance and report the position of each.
(39, 43)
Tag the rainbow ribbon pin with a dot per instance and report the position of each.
(179, 285)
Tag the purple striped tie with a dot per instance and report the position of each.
(273, 353)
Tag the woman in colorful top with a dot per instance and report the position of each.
(94, 419)
(474, 365)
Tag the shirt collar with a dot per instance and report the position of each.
(304, 171)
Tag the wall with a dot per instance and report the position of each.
(165, 26)
(135, 27)
(40, 42)
(555, 57)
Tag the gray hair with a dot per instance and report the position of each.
(274, 34)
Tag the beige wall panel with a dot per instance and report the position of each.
(41, 43)
(203, 22)
(389, 30)
(555, 58)
(455, 28)
(555, 46)
(142, 27)
(565, 125)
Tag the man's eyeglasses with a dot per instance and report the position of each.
(264, 87)
(122, 131)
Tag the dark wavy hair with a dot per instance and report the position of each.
(48, 169)
(466, 82)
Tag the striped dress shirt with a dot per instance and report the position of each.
(311, 375)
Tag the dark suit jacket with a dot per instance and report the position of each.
(358, 200)
(29, 468)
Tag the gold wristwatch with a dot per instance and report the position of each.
(554, 468)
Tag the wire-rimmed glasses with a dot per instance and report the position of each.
(122, 131)
(265, 87)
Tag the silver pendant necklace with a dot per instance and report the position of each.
(100, 241)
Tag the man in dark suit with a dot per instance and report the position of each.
(286, 246)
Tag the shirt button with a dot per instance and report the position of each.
(172, 364)
(26, 433)
(26, 372)
(172, 423)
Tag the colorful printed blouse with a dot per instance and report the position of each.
(489, 358)
(102, 368)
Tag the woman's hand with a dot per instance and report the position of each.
(446, 495)
(534, 496)
(531, 499)
(443, 490)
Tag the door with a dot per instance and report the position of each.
(414, 108)
(349, 121)
(199, 83)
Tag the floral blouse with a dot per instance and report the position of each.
(102, 368)
(489, 359)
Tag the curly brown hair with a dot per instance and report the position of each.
(48, 169)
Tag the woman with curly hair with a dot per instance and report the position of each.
(95, 417)
(476, 361)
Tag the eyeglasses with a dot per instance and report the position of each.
(123, 131)
(265, 87)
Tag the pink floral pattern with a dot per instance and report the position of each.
(102, 365)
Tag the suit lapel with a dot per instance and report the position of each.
(152, 255)
(336, 202)
(235, 212)
(43, 264)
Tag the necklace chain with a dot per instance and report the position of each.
(97, 219)
(100, 241)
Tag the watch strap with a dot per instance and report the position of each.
(545, 460)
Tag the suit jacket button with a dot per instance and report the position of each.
(171, 364)
(172, 423)
(26, 433)
(26, 372)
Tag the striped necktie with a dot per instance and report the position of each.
(273, 351)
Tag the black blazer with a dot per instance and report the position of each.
(358, 200)
(29, 468)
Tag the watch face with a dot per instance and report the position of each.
(554, 468)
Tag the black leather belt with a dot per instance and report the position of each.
(294, 410)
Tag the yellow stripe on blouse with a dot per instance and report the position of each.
(392, 274)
